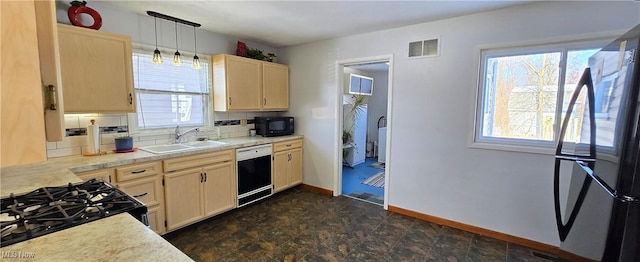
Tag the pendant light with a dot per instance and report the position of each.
(157, 57)
(177, 59)
(196, 59)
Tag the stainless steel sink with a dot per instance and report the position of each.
(172, 148)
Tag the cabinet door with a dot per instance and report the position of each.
(243, 83)
(295, 166)
(50, 67)
(280, 170)
(219, 188)
(156, 219)
(183, 197)
(275, 86)
(96, 70)
(106, 175)
(22, 136)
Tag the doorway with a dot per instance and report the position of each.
(363, 101)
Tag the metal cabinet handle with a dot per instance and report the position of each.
(52, 97)
(201, 178)
(139, 171)
(205, 176)
(130, 99)
(229, 100)
(265, 101)
(141, 195)
(289, 145)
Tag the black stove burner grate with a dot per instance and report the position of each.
(50, 209)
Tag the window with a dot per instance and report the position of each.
(170, 95)
(524, 93)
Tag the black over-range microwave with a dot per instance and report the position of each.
(274, 126)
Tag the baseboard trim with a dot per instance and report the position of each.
(317, 189)
(478, 230)
(567, 256)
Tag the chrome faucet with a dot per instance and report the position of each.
(179, 135)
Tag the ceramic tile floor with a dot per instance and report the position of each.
(301, 225)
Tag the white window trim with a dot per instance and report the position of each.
(523, 145)
(168, 53)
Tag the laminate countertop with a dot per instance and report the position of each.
(116, 238)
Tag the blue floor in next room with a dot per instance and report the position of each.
(352, 180)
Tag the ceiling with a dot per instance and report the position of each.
(286, 23)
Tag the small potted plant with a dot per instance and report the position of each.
(124, 143)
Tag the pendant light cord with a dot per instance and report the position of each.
(155, 27)
(195, 41)
(176, 36)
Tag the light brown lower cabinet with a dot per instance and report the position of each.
(149, 191)
(197, 193)
(144, 182)
(287, 164)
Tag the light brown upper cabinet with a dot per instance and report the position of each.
(22, 133)
(97, 74)
(275, 87)
(243, 84)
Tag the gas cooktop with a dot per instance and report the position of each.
(51, 209)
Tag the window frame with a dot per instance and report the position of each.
(208, 110)
(483, 54)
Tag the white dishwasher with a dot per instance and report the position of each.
(253, 173)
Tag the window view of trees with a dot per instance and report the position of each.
(522, 93)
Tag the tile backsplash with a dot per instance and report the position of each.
(111, 125)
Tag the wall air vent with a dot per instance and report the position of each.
(425, 48)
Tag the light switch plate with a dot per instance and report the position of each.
(243, 122)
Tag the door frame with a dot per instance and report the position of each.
(339, 91)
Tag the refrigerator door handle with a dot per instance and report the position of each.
(612, 192)
(564, 228)
(585, 81)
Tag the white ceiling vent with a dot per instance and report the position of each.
(425, 48)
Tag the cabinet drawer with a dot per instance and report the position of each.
(137, 171)
(286, 145)
(147, 190)
(179, 163)
(104, 174)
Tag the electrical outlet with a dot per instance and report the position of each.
(243, 122)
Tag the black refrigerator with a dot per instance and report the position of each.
(596, 174)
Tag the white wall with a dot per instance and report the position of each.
(432, 169)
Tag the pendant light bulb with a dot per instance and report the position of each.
(157, 57)
(196, 59)
(196, 62)
(177, 58)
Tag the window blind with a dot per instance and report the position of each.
(169, 95)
